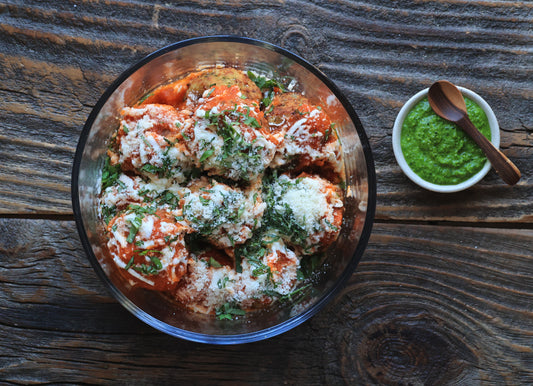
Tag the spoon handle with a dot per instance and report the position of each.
(507, 170)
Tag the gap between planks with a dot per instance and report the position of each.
(455, 224)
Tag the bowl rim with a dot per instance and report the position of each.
(226, 338)
(398, 153)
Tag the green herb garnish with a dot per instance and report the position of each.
(130, 264)
(228, 311)
(147, 269)
(206, 154)
(267, 86)
(110, 174)
(279, 215)
(108, 212)
(332, 227)
(166, 197)
(145, 97)
(213, 263)
(135, 224)
(221, 283)
(301, 292)
(166, 170)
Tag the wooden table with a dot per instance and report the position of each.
(444, 293)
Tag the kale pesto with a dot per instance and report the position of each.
(438, 150)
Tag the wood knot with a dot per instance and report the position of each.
(296, 39)
(399, 352)
(397, 344)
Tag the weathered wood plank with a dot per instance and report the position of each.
(427, 305)
(57, 58)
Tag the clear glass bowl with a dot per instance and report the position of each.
(173, 62)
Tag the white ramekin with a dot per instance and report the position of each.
(396, 146)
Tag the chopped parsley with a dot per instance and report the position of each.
(279, 215)
(130, 263)
(237, 152)
(203, 200)
(267, 86)
(170, 239)
(206, 154)
(147, 269)
(229, 311)
(260, 268)
(136, 222)
(166, 170)
(145, 98)
(213, 263)
(108, 212)
(221, 283)
(166, 197)
(327, 133)
(309, 264)
(110, 174)
(214, 211)
(251, 121)
(291, 296)
(210, 92)
(253, 250)
(331, 226)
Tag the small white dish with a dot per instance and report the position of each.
(397, 148)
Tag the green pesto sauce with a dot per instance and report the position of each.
(439, 151)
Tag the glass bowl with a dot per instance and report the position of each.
(173, 62)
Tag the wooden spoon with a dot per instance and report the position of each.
(448, 103)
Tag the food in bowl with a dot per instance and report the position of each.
(220, 189)
(328, 276)
(442, 158)
(438, 150)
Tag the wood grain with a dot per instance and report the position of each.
(427, 305)
(444, 293)
(57, 58)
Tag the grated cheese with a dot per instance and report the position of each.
(200, 170)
